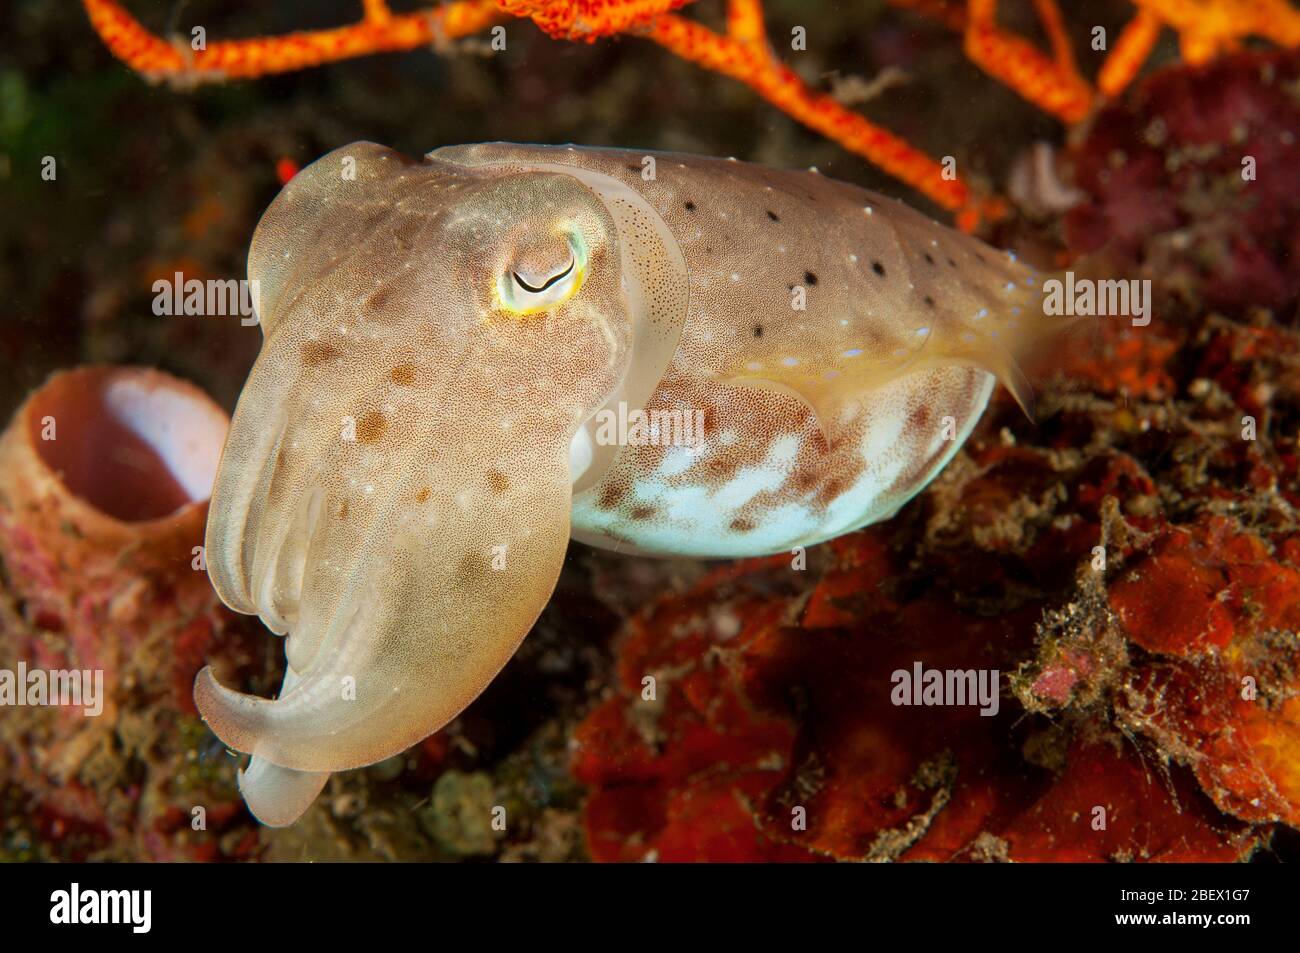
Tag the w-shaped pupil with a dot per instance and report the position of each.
(546, 284)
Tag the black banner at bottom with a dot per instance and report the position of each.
(134, 903)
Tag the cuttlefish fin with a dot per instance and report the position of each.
(1000, 362)
(832, 391)
(828, 399)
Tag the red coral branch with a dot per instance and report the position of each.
(742, 53)
(590, 19)
(1051, 82)
(380, 31)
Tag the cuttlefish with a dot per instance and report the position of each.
(470, 359)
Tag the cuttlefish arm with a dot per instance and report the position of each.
(396, 489)
(278, 796)
(405, 569)
(411, 602)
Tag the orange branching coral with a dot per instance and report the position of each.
(379, 31)
(1205, 29)
(589, 19)
(1131, 51)
(1052, 84)
(742, 53)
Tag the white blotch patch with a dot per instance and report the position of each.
(697, 521)
(677, 460)
(581, 452)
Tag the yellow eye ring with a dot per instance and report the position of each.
(516, 296)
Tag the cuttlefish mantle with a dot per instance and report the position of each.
(445, 344)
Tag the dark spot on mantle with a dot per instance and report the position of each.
(371, 427)
(610, 496)
(315, 353)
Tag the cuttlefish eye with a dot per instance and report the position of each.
(543, 276)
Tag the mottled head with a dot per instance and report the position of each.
(514, 266)
(395, 490)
